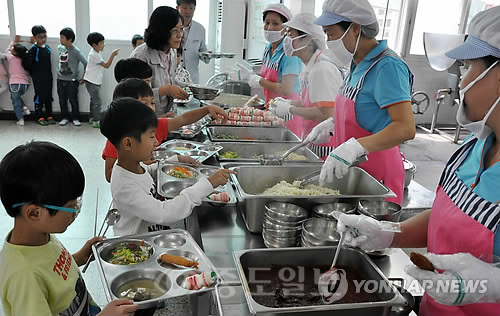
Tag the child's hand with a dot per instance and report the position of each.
(83, 254)
(115, 52)
(220, 177)
(216, 113)
(189, 160)
(17, 39)
(121, 307)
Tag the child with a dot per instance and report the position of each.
(93, 74)
(137, 40)
(140, 90)
(133, 68)
(130, 127)
(41, 73)
(68, 79)
(17, 55)
(39, 276)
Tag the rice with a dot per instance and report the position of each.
(286, 189)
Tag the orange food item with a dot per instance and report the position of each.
(421, 261)
(178, 260)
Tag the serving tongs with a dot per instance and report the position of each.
(311, 177)
(277, 160)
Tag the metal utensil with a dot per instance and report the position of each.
(310, 178)
(96, 209)
(278, 160)
(329, 277)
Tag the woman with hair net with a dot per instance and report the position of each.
(373, 113)
(461, 230)
(320, 81)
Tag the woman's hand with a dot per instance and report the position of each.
(177, 92)
(340, 159)
(216, 113)
(83, 254)
(121, 307)
(220, 177)
(364, 232)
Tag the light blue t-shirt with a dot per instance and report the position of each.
(484, 182)
(287, 65)
(387, 83)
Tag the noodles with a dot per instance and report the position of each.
(285, 189)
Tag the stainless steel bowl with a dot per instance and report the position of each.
(320, 230)
(133, 278)
(286, 212)
(315, 242)
(166, 169)
(201, 93)
(326, 210)
(282, 223)
(380, 210)
(196, 153)
(410, 170)
(163, 153)
(175, 145)
(272, 242)
(173, 188)
(273, 226)
(280, 233)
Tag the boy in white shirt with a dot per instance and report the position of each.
(93, 74)
(130, 127)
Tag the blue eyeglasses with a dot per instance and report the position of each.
(76, 209)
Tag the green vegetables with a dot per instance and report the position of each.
(224, 136)
(229, 155)
(181, 173)
(128, 253)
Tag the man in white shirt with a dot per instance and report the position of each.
(193, 41)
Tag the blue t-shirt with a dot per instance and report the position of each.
(387, 83)
(286, 66)
(483, 182)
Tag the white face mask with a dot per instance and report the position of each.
(479, 128)
(338, 48)
(273, 36)
(288, 45)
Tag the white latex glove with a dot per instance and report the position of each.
(460, 269)
(244, 73)
(281, 107)
(365, 232)
(340, 159)
(321, 133)
(254, 80)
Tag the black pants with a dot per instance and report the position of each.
(68, 90)
(43, 94)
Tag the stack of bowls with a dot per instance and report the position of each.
(380, 210)
(282, 224)
(326, 210)
(319, 232)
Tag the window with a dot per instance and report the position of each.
(132, 18)
(4, 18)
(201, 15)
(318, 7)
(387, 11)
(47, 13)
(435, 16)
(480, 5)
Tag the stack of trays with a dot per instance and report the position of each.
(319, 232)
(198, 151)
(326, 210)
(282, 224)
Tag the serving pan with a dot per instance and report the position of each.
(196, 150)
(253, 134)
(250, 152)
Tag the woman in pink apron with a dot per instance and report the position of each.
(461, 230)
(320, 81)
(373, 112)
(279, 75)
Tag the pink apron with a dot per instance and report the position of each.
(461, 221)
(269, 71)
(321, 150)
(386, 165)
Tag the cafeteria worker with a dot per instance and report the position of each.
(461, 230)
(279, 73)
(373, 113)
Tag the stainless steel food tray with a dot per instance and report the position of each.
(249, 152)
(174, 241)
(198, 151)
(170, 187)
(216, 55)
(256, 258)
(196, 128)
(253, 134)
(251, 180)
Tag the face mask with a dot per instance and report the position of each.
(273, 36)
(288, 45)
(479, 128)
(337, 47)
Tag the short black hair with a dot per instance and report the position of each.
(344, 25)
(489, 60)
(94, 38)
(68, 33)
(162, 20)
(38, 29)
(22, 53)
(127, 117)
(59, 181)
(132, 88)
(179, 2)
(282, 17)
(136, 38)
(132, 68)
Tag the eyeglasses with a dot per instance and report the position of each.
(75, 210)
(177, 31)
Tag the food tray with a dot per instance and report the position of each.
(249, 152)
(319, 256)
(198, 151)
(173, 241)
(253, 134)
(170, 187)
(216, 55)
(231, 100)
(194, 129)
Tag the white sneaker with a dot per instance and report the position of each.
(76, 123)
(26, 111)
(63, 122)
(20, 122)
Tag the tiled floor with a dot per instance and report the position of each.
(428, 152)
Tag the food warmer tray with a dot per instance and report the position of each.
(253, 134)
(198, 151)
(170, 187)
(174, 241)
